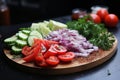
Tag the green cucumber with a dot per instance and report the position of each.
(16, 50)
(22, 36)
(36, 33)
(26, 31)
(10, 40)
(20, 43)
(31, 40)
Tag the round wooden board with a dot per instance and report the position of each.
(77, 65)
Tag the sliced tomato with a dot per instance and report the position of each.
(50, 52)
(66, 57)
(52, 60)
(59, 49)
(26, 50)
(40, 61)
(34, 52)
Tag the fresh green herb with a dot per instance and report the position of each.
(97, 34)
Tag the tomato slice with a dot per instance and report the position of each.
(34, 52)
(50, 52)
(40, 61)
(59, 49)
(26, 50)
(52, 60)
(66, 57)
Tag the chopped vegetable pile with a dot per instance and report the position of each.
(73, 41)
(97, 34)
(49, 43)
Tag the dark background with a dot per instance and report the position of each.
(22, 11)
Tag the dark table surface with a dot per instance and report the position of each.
(110, 70)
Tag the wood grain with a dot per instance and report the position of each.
(77, 65)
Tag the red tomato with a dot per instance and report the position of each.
(26, 50)
(111, 20)
(40, 61)
(102, 13)
(50, 52)
(52, 60)
(66, 57)
(59, 49)
(34, 52)
(96, 19)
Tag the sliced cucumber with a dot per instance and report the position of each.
(31, 40)
(16, 50)
(22, 36)
(26, 31)
(35, 33)
(20, 43)
(10, 40)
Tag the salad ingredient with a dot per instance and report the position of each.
(16, 50)
(52, 60)
(59, 49)
(20, 43)
(26, 50)
(72, 41)
(111, 20)
(96, 19)
(22, 35)
(67, 57)
(36, 49)
(10, 40)
(40, 61)
(55, 25)
(97, 34)
(102, 13)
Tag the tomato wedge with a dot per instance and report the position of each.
(50, 52)
(59, 49)
(52, 60)
(26, 50)
(36, 49)
(66, 57)
(40, 61)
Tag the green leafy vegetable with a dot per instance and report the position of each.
(97, 34)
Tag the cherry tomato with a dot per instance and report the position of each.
(66, 57)
(111, 20)
(26, 50)
(102, 13)
(59, 49)
(52, 60)
(96, 19)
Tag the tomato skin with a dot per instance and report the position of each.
(50, 52)
(96, 19)
(59, 49)
(36, 49)
(102, 13)
(52, 60)
(40, 61)
(26, 50)
(67, 57)
(111, 20)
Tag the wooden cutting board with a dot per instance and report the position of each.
(77, 65)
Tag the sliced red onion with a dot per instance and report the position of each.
(73, 41)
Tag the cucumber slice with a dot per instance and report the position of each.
(10, 40)
(22, 36)
(20, 43)
(44, 29)
(26, 31)
(16, 50)
(35, 33)
(31, 40)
